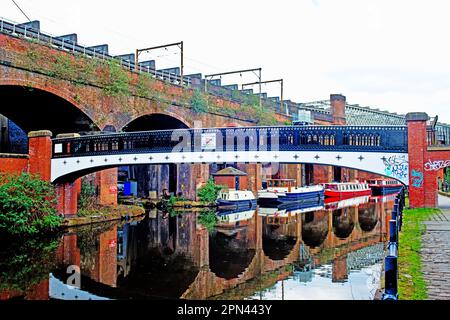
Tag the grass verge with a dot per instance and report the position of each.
(411, 284)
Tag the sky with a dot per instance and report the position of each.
(391, 55)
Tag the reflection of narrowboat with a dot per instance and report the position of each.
(347, 190)
(384, 198)
(338, 203)
(237, 199)
(235, 216)
(281, 191)
(285, 214)
(231, 222)
(384, 186)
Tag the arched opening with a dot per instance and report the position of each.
(278, 240)
(229, 253)
(315, 228)
(25, 109)
(343, 223)
(156, 178)
(367, 217)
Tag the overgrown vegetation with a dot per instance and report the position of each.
(199, 103)
(117, 82)
(27, 205)
(208, 219)
(87, 201)
(209, 192)
(412, 285)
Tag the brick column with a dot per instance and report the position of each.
(255, 177)
(40, 153)
(67, 197)
(422, 185)
(106, 182)
(338, 103)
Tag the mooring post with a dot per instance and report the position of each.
(391, 271)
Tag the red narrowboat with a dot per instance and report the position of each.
(347, 190)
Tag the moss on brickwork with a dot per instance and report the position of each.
(118, 83)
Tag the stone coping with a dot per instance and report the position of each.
(13, 156)
(40, 133)
(439, 148)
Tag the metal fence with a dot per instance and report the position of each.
(292, 138)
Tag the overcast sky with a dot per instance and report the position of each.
(392, 55)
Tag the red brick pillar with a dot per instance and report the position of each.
(339, 270)
(40, 153)
(106, 182)
(255, 177)
(422, 186)
(338, 103)
(67, 197)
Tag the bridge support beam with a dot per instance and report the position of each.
(422, 185)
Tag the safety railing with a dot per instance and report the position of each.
(391, 261)
(302, 138)
(60, 43)
(439, 136)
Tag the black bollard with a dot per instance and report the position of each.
(393, 231)
(391, 274)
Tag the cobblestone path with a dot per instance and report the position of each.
(436, 253)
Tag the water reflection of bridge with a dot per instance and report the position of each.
(175, 257)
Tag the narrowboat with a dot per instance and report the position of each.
(237, 199)
(282, 191)
(347, 190)
(381, 187)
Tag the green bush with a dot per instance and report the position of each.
(208, 219)
(27, 205)
(209, 192)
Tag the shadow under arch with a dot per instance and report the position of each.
(156, 121)
(368, 217)
(278, 241)
(229, 255)
(33, 108)
(145, 174)
(343, 223)
(315, 228)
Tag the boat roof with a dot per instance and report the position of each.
(230, 171)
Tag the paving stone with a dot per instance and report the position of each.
(435, 253)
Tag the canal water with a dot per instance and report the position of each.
(331, 250)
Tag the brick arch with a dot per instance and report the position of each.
(180, 118)
(60, 92)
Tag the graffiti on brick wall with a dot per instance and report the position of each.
(436, 165)
(396, 166)
(417, 179)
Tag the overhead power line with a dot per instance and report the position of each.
(21, 10)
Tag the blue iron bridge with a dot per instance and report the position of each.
(378, 149)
